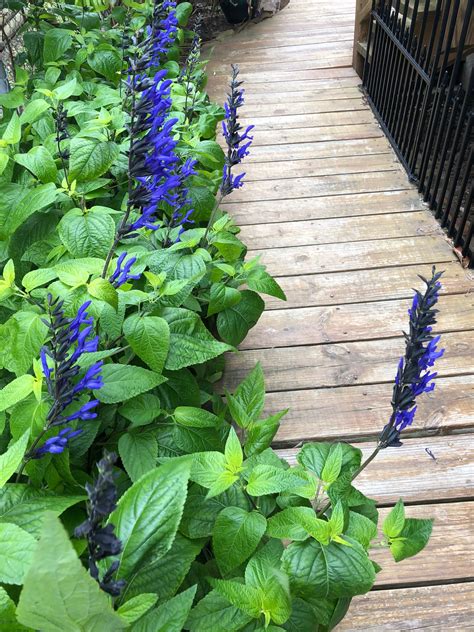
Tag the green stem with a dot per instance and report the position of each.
(211, 218)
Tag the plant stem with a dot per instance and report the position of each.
(211, 218)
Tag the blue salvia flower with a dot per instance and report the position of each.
(70, 339)
(238, 140)
(413, 375)
(163, 30)
(101, 539)
(122, 273)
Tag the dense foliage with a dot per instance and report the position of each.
(133, 495)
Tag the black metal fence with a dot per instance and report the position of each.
(419, 80)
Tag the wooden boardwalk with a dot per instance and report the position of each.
(336, 221)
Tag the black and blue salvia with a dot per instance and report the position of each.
(421, 352)
(237, 139)
(101, 539)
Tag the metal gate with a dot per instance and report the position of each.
(419, 81)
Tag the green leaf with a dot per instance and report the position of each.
(333, 464)
(165, 575)
(412, 539)
(314, 456)
(40, 162)
(209, 470)
(209, 154)
(124, 381)
(361, 528)
(261, 434)
(15, 391)
(288, 524)
(66, 90)
(4, 159)
(195, 417)
(262, 282)
(8, 621)
(214, 612)
(248, 401)
(267, 479)
(13, 99)
(138, 452)
(58, 592)
(104, 291)
(141, 410)
(395, 521)
(148, 515)
(56, 43)
(26, 335)
(222, 297)
(88, 234)
(234, 323)
(136, 607)
(33, 111)
(149, 338)
(24, 505)
(190, 342)
(316, 570)
(12, 133)
(170, 616)
(235, 536)
(16, 553)
(183, 13)
(38, 277)
(27, 202)
(247, 598)
(107, 63)
(336, 522)
(233, 452)
(90, 158)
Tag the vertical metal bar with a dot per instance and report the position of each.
(457, 173)
(369, 43)
(462, 191)
(467, 210)
(391, 51)
(467, 251)
(372, 80)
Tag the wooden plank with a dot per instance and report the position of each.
(268, 77)
(339, 230)
(357, 321)
(294, 188)
(320, 166)
(281, 90)
(296, 97)
(353, 101)
(358, 255)
(361, 286)
(360, 116)
(323, 59)
(433, 608)
(357, 413)
(410, 473)
(342, 364)
(317, 150)
(448, 555)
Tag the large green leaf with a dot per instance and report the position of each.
(107, 63)
(88, 234)
(165, 575)
(25, 334)
(149, 337)
(15, 391)
(214, 612)
(328, 571)
(124, 381)
(235, 537)
(56, 43)
(58, 592)
(40, 162)
(91, 158)
(24, 505)
(148, 515)
(412, 539)
(323, 459)
(8, 621)
(16, 553)
(190, 342)
(11, 459)
(234, 323)
(25, 203)
(138, 452)
(247, 403)
(170, 616)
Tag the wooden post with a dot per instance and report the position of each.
(361, 29)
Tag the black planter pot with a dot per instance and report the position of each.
(237, 11)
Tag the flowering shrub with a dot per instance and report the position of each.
(133, 496)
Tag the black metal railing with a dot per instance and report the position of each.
(419, 81)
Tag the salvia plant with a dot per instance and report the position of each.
(133, 494)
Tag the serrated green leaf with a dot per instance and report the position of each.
(361, 528)
(234, 323)
(88, 234)
(15, 391)
(170, 616)
(16, 553)
(412, 539)
(248, 401)
(104, 291)
(261, 433)
(195, 417)
(56, 43)
(332, 465)
(40, 162)
(148, 515)
(139, 452)
(267, 479)
(235, 536)
(141, 410)
(394, 522)
(149, 337)
(313, 456)
(222, 297)
(136, 607)
(214, 612)
(12, 133)
(90, 158)
(124, 381)
(37, 278)
(33, 111)
(288, 524)
(233, 452)
(58, 592)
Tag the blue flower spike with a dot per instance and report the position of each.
(413, 376)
